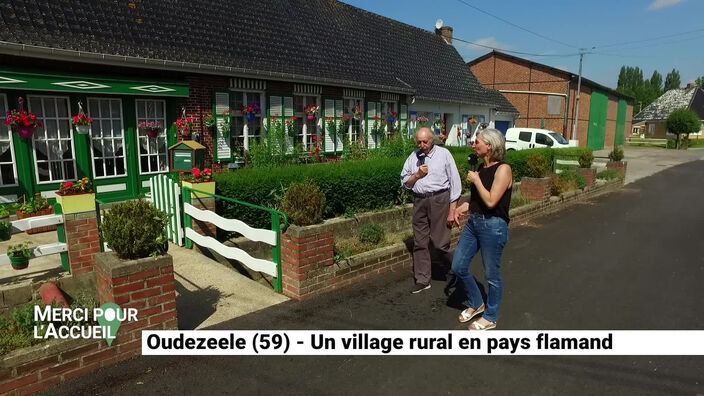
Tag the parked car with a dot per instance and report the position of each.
(525, 138)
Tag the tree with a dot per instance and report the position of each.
(656, 81)
(683, 121)
(672, 80)
(700, 81)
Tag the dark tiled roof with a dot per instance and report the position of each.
(668, 102)
(308, 40)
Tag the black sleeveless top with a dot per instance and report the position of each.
(477, 205)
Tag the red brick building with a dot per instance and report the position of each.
(546, 97)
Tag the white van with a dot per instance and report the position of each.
(526, 138)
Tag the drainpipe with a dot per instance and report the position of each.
(567, 107)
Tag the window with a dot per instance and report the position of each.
(53, 143)
(559, 138)
(355, 128)
(555, 105)
(244, 130)
(152, 152)
(386, 109)
(308, 132)
(524, 136)
(651, 128)
(8, 174)
(541, 138)
(107, 136)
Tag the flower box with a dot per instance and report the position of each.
(76, 203)
(22, 215)
(208, 187)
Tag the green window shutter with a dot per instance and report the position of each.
(339, 112)
(222, 140)
(373, 110)
(328, 111)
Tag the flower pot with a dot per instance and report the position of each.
(311, 117)
(83, 129)
(392, 119)
(25, 132)
(357, 116)
(152, 133)
(76, 203)
(22, 215)
(208, 187)
(19, 263)
(6, 234)
(250, 116)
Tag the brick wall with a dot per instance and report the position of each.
(620, 166)
(200, 104)
(146, 284)
(535, 189)
(589, 175)
(82, 240)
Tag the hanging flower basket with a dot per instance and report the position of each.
(311, 111)
(357, 112)
(151, 128)
(251, 117)
(82, 122)
(251, 111)
(310, 117)
(185, 126)
(392, 116)
(23, 122)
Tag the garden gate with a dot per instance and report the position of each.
(166, 195)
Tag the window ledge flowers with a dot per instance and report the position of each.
(22, 122)
(311, 111)
(201, 180)
(151, 128)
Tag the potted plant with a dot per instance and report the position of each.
(19, 255)
(616, 157)
(585, 167)
(311, 112)
(134, 230)
(82, 122)
(357, 112)
(5, 230)
(22, 122)
(151, 128)
(200, 180)
(76, 197)
(251, 111)
(36, 206)
(185, 126)
(536, 185)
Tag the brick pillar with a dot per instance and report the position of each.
(589, 174)
(536, 189)
(83, 240)
(619, 165)
(146, 284)
(302, 254)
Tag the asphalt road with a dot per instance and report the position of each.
(629, 260)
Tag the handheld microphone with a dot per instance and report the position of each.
(421, 157)
(473, 160)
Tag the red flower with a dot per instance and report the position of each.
(68, 185)
(317, 149)
(196, 172)
(207, 171)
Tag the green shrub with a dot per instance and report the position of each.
(517, 200)
(574, 179)
(134, 229)
(371, 233)
(4, 213)
(303, 203)
(586, 159)
(538, 166)
(395, 147)
(616, 154)
(609, 174)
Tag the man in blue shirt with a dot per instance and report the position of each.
(430, 172)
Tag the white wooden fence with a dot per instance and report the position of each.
(34, 222)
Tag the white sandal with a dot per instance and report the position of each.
(478, 326)
(466, 316)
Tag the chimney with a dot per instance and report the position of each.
(446, 33)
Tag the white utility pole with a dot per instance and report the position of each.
(575, 128)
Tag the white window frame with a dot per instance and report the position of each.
(3, 117)
(385, 105)
(302, 116)
(245, 124)
(349, 103)
(139, 146)
(96, 122)
(43, 129)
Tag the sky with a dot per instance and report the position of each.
(657, 35)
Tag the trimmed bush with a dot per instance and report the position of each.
(371, 233)
(609, 174)
(134, 229)
(538, 166)
(304, 203)
(585, 159)
(567, 181)
(616, 154)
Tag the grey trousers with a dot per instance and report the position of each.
(430, 225)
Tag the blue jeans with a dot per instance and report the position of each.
(490, 236)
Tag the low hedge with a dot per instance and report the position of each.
(349, 187)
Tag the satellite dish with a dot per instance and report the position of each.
(438, 24)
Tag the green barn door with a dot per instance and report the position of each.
(620, 138)
(597, 120)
